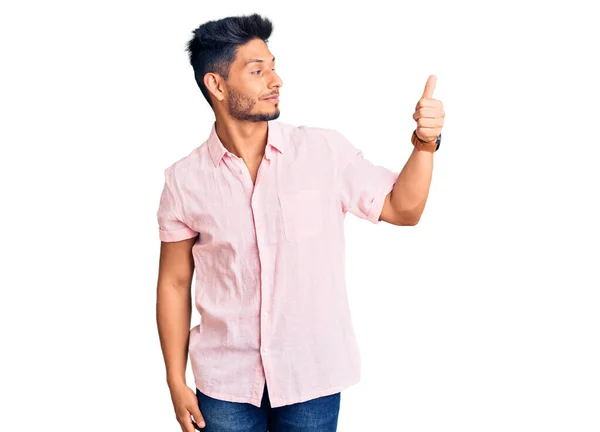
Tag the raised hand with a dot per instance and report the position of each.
(429, 113)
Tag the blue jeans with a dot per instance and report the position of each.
(315, 415)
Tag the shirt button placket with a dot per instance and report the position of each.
(259, 224)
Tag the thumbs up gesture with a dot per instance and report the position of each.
(429, 113)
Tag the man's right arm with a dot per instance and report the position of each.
(174, 306)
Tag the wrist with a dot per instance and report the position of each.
(175, 382)
(421, 145)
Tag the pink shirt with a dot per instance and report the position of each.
(269, 261)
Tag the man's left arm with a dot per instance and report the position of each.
(405, 204)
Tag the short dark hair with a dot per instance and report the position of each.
(215, 43)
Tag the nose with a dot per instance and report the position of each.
(276, 82)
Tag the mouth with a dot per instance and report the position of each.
(273, 99)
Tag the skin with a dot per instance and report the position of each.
(405, 204)
(241, 113)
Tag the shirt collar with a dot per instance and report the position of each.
(274, 140)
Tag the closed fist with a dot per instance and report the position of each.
(429, 113)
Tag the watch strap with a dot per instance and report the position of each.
(425, 146)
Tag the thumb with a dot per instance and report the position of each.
(198, 417)
(429, 87)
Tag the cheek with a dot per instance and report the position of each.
(251, 92)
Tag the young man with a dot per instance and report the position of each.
(257, 211)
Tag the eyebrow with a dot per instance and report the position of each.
(257, 61)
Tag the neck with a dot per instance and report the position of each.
(246, 140)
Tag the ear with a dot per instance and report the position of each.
(213, 83)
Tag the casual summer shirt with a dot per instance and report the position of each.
(269, 261)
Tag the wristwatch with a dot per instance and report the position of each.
(426, 146)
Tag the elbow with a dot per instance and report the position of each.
(411, 222)
(409, 218)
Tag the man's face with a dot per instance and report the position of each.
(251, 82)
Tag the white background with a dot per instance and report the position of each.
(483, 317)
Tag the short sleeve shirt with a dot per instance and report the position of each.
(269, 261)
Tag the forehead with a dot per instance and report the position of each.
(253, 50)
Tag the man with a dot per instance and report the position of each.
(257, 211)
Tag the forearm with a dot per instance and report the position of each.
(410, 191)
(173, 314)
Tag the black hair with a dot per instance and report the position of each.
(215, 43)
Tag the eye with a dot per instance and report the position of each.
(259, 71)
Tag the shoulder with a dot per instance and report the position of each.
(336, 142)
(190, 165)
(315, 137)
(319, 132)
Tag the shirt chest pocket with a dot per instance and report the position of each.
(302, 214)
